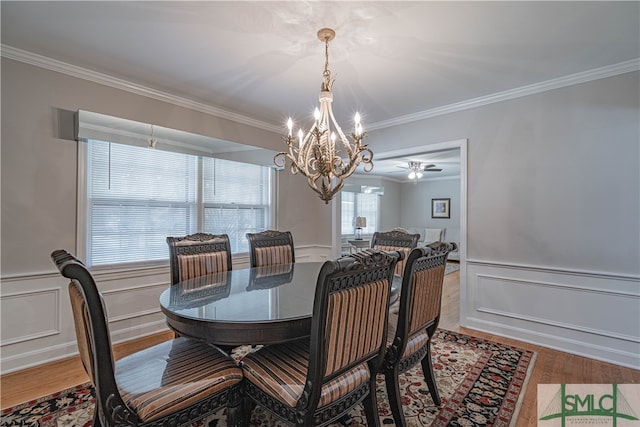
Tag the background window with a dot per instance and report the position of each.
(359, 204)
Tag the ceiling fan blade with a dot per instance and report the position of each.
(431, 168)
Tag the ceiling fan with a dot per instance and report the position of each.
(416, 169)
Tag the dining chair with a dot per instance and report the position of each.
(318, 380)
(198, 254)
(172, 383)
(413, 321)
(271, 247)
(396, 240)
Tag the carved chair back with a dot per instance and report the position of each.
(271, 247)
(396, 240)
(198, 254)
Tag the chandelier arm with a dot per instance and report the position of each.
(301, 157)
(343, 139)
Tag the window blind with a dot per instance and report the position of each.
(359, 204)
(137, 196)
(236, 198)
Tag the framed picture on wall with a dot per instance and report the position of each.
(440, 208)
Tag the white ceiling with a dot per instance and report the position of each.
(392, 60)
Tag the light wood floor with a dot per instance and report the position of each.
(551, 366)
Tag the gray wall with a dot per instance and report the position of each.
(553, 178)
(416, 206)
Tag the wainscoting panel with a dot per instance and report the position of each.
(37, 324)
(593, 314)
(29, 315)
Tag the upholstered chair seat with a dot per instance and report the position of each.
(173, 375)
(280, 371)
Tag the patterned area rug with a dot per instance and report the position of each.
(481, 383)
(451, 267)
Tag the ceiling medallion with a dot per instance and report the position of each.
(324, 155)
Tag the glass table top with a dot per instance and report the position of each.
(261, 294)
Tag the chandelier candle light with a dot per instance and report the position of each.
(318, 154)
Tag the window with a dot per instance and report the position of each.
(236, 200)
(359, 204)
(136, 197)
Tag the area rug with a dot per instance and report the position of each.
(451, 267)
(481, 383)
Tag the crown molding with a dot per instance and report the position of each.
(96, 77)
(93, 76)
(570, 80)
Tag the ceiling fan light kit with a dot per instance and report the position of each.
(416, 169)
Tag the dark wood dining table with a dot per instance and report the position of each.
(252, 306)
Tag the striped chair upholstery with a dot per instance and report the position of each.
(199, 254)
(273, 255)
(271, 247)
(318, 380)
(415, 320)
(196, 265)
(396, 240)
(173, 383)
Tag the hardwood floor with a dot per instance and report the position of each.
(551, 366)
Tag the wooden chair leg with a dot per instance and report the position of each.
(96, 417)
(393, 394)
(371, 405)
(235, 407)
(246, 408)
(429, 376)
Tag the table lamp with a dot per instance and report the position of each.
(361, 222)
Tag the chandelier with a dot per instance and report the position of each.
(324, 155)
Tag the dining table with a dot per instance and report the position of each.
(250, 306)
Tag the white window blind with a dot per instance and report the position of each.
(236, 200)
(359, 204)
(137, 196)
